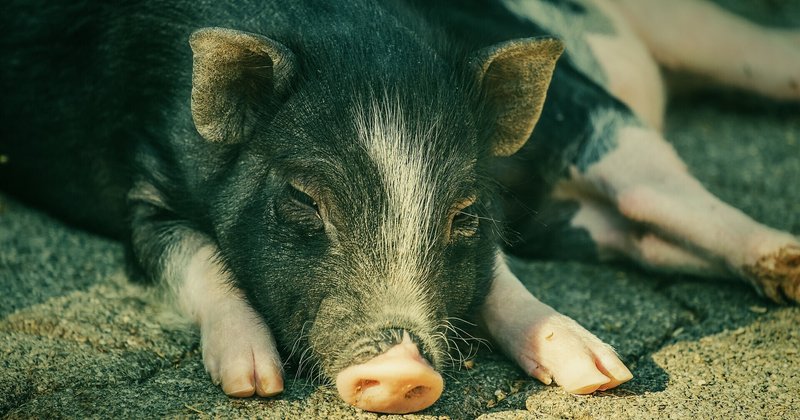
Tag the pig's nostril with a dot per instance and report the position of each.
(417, 392)
(366, 383)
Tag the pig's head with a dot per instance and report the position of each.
(356, 216)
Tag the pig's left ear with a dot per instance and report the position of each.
(233, 73)
(513, 77)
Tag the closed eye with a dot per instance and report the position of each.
(464, 220)
(303, 199)
(465, 215)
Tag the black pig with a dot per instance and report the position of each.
(321, 177)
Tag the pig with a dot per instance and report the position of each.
(330, 183)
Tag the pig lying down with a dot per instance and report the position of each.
(329, 184)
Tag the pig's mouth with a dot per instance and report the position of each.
(390, 375)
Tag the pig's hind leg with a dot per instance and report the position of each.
(612, 237)
(645, 182)
(701, 38)
(547, 345)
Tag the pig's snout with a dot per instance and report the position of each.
(398, 381)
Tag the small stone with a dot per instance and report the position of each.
(678, 331)
(500, 395)
(758, 309)
(517, 386)
(491, 403)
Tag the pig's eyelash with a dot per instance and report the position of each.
(305, 199)
(475, 215)
(465, 221)
(465, 214)
(493, 221)
(302, 197)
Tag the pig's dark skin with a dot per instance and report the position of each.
(334, 167)
(129, 109)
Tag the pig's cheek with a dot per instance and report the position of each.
(239, 351)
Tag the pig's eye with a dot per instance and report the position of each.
(304, 201)
(464, 222)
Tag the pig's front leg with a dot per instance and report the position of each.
(239, 350)
(546, 344)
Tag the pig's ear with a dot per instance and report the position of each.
(234, 72)
(513, 77)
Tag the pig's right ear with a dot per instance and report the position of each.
(513, 77)
(233, 73)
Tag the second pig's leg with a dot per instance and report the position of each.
(613, 237)
(702, 38)
(648, 184)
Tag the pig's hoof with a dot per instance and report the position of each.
(778, 274)
(557, 349)
(240, 354)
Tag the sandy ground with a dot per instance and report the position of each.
(77, 340)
